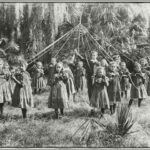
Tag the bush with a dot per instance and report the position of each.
(124, 119)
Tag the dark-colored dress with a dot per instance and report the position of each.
(58, 97)
(38, 82)
(114, 89)
(124, 79)
(99, 98)
(22, 96)
(81, 86)
(138, 90)
(51, 71)
(90, 67)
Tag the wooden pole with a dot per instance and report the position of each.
(45, 49)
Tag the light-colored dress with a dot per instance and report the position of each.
(70, 86)
(38, 82)
(5, 93)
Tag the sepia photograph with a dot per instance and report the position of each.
(74, 75)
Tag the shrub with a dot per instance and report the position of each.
(124, 119)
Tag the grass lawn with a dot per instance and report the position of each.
(41, 130)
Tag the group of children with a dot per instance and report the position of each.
(99, 84)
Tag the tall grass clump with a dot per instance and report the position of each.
(124, 118)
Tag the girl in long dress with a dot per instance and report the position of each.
(7, 75)
(146, 70)
(138, 90)
(58, 98)
(99, 98)
(124, 80)
(81, 84)
(114, 90)
(22, 96)
(5, 95)
(70, 83)
(90, 66)
(38, 78)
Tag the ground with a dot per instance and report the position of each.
(41, 130)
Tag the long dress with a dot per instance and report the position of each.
(146, 71)
(70, 86)
(22, 96)
(6, 85)
(51, 71)
(58, 97)
(124, 79)
(138, 90)
(99, 98)
(38, 79)
(90, 67)
(114, 89)
(81, 86)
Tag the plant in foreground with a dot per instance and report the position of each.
(125, 120)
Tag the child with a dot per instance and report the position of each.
(4, 91)
(51, 70)
(12, 83)
(146, 70)
(7, 75)
(90, 66)
(70, 82)
(38, 78)
(81, 84)
(114, 90)
(58, 98)
(117, 59)
(138, 90)
(124, 79)
(22, 96)
(99, 98)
